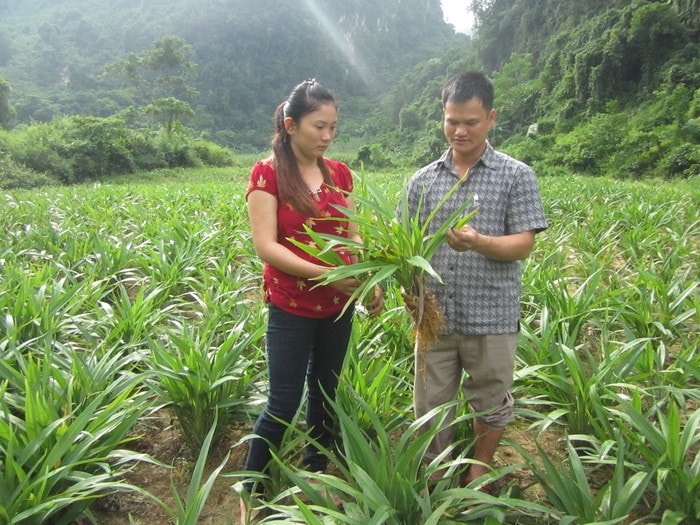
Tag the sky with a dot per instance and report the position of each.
(457, 14)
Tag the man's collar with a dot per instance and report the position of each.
(488, 157)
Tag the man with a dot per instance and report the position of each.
(480, 266)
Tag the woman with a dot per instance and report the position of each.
(305, 339)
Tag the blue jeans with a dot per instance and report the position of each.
(299, 349)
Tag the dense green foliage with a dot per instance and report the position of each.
(117, 298)
(630, 72)
(249, 54)
(613, 87)
(74, 149)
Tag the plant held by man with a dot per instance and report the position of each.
(395, 245)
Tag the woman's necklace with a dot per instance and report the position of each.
(313, 175)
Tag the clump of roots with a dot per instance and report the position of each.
(427, 320)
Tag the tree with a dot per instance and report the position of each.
(517, 91)
(689, 12)
(655, 33)
(6, 112)
(168, 112)
(5, 50)
(169, 62)
(163, 71)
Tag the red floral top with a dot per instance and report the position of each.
(291, 293)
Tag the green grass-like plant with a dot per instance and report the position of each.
(383, 478)
(92, 272)
(568, 489)
(663, 443)
(188, 510)
(201, 381)
(394, 245)
(61, 449)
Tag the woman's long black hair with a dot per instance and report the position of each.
(303, 99)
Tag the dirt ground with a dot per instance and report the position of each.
(161, 438)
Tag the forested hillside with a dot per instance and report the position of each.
(611, 86)
(248, 53)
(606, 87)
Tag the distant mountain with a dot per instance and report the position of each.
(249, 52)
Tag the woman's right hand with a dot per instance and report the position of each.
(346, 286)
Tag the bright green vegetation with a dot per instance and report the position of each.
(607, 88)
(392, 248)
(242, 58)
(120, 298)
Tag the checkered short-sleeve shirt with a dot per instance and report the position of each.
(481, 296)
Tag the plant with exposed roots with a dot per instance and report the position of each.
(394, 245)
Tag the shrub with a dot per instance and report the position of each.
(34, 147)
(212, 154)
(410, 117)
(98, 146)
(147, 155)
(373, 156)
(15, 176)
(530, 149)
(546, 126)
(691, 130)
(76, 148)
(681, 162)
(638, 153)
(177, 151)
(587, 146)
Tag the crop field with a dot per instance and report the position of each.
(126, 304)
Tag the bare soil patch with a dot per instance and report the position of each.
(160, 437)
